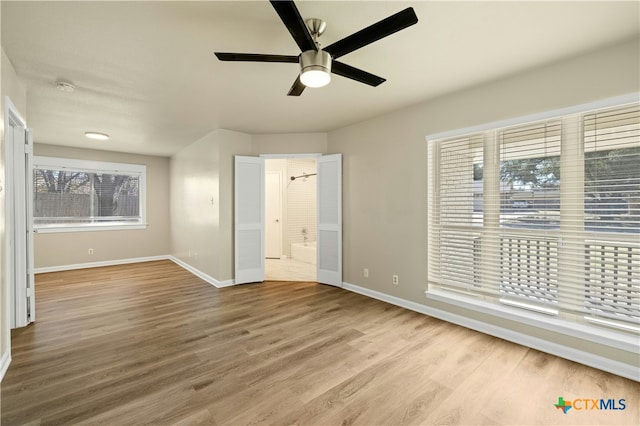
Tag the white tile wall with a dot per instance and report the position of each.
(301, 205)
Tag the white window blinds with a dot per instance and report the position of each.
(612, 215)
(458, 189)
(542, 216)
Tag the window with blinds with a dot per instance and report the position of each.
(76, 195)
(459, 210)
(612, 215)
(542, 216)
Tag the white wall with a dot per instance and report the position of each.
(301, 202)
(386, 230)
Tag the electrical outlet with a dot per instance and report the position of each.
(395, 280)
(90, 251)
(365, 273)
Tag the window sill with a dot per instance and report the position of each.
(49, 229)
(595, 334)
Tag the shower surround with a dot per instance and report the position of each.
(301, 206)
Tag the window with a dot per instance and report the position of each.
(541, 216)
(76, 195)
(612, 210)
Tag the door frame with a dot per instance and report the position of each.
(336, 278)
(19, 284)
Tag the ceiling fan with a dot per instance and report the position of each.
(316, 64)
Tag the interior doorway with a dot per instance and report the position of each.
(249, 218)
(18, 250)
(291, 214)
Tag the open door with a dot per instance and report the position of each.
(329, 249)
(273, 219)
(30, 249)
(249, 219)
(19, 219)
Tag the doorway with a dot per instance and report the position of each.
(18, 250)
(291, 214)
(249, 217)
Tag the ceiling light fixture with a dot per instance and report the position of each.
(315, 68)
(65, 86)
(97, 135)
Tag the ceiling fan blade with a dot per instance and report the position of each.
(291, 18)
(348, 71)
(297, 88)
(375, 32)
(256, 57)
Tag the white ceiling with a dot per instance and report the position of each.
(146, 74)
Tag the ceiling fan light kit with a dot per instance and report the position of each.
(316, 65)
(315, 68)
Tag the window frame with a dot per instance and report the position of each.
(603, 333)
(92, 166)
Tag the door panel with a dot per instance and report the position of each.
(31, 283)
(18, 219)
(249, 219)
(273, 225)
(329, 249)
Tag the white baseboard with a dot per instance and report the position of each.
(198, 273)
(226, 283)
(172, 258)
(562, 351)
(98, 264)
(4, 363)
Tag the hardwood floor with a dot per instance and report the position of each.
(152, 344)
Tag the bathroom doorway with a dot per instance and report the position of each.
(291, 219)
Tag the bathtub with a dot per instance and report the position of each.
(304, 252)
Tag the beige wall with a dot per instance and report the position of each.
(385, 169)
(202, 202)
(71, 248)
(9, 86)
(195, 198)
(232, 144)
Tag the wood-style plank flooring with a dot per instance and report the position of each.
(152, 344)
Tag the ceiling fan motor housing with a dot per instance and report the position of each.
(314, 62)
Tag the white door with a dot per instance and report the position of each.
(31, 283)
(249, 219)
(329, 246)
(273, 224)
(19, 219)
